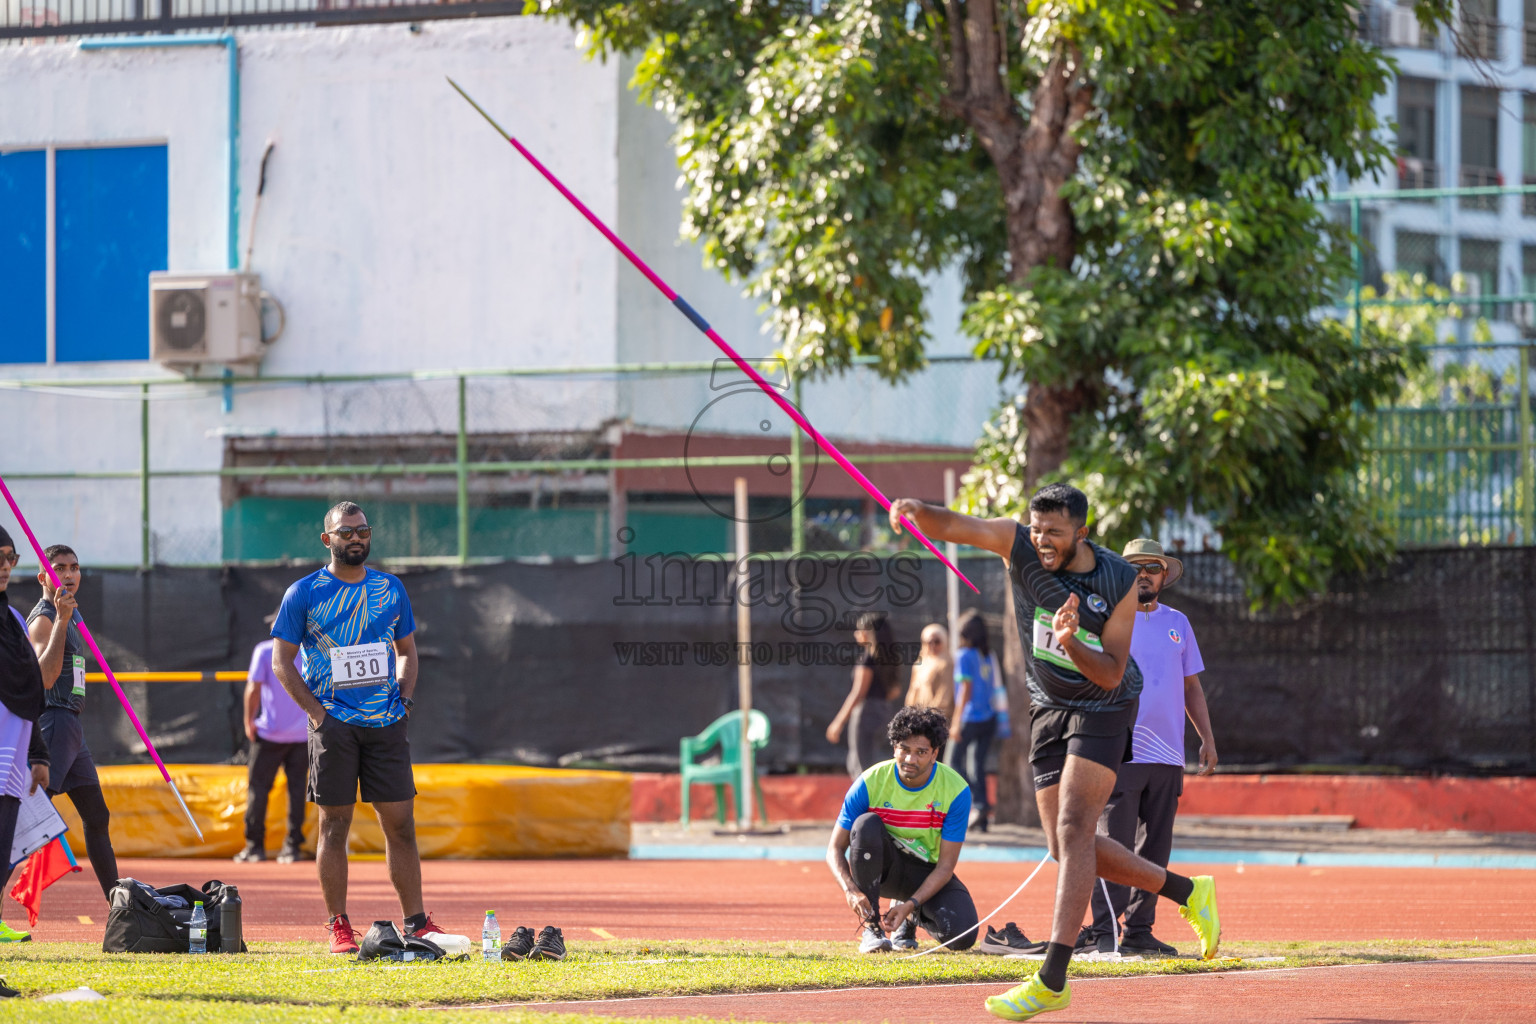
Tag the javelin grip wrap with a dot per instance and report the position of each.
(691, 313)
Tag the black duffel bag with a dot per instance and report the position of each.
(142, 919)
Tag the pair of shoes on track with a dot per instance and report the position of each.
(344, 937)
(550, 944)
(255, 854)
(1033, 997)
(1008, 940)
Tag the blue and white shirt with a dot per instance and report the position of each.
(347, 632)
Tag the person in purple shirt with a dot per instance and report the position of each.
(1148, 786)
(279, 733)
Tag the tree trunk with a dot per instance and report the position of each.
(1033, 159)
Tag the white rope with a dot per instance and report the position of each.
(984, 920)
(1114, 919)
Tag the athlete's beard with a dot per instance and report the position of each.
(349, 555)
(1147, 591)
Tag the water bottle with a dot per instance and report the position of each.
(490, 937)
(197, 932)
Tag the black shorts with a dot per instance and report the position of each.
(70, 763)
(342, 756)
(1103, 737)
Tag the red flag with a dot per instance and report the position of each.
(42, 869)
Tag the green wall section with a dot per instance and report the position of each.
(259, 529)
(265, 529)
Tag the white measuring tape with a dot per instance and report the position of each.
(978, 924)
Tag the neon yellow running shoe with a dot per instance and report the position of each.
(1025, 1000)
(9, 934)
(1201, 914)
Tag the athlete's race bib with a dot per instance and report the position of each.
(362, 665)
(1048, 647)
(79, 690)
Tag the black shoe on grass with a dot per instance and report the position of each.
(1146, 945)
(520, 945)
(550, 945)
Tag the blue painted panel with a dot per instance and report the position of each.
(24, 257)
(111, 216)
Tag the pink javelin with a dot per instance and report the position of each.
(100, 660)
(709, 332)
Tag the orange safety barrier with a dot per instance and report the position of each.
(463, 812)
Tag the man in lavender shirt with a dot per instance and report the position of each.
(279, 735)
(1147, 789)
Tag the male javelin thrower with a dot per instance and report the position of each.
(1075, 605)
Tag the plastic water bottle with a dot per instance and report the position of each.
(197, 933)
(490, 937)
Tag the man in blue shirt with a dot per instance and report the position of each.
(355, 628)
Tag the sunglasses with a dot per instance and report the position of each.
(1150, 568)
(10, 559)
(347, 532)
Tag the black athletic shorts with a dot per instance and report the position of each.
(70, 763)
(342, 756)
(1103, 737)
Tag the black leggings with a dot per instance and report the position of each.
(881, 868)
(92, 808)
(10, 807)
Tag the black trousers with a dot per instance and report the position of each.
(971, 759)
(1139, 816)
(266, 758)
(881, 868)
(10, 808)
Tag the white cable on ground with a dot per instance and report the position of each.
(1114, 921)
(984, 920)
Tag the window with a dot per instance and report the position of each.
(1525, 312)
(1479, 145)
(1420, 254)
(1478, 34)
(1528, 33)
(1480, 268)
(23, 257)
(1416, 167)
(1528, 152)
(109, 220)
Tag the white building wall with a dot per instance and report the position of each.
(400, 234)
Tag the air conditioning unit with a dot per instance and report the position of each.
(1402, 26)
(205, 318)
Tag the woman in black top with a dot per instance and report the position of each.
(874, 697)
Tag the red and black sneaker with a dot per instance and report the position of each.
(343, 938)
(428, 930)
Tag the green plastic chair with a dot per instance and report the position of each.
(724, 732)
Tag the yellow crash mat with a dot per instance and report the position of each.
(463, 812)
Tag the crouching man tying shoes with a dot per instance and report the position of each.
(899, 836)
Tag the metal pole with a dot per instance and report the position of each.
(951, 596)
(1354, 247)
(796, 509)
(744, 651)
(1527, 479)
(462, 467)
(951, 584)
(144, 476)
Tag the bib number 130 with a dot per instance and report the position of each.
(362, 665)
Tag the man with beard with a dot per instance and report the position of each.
(355, 627)
(1075, 608)
(1148, 787)
(23, 754)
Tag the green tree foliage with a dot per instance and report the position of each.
(1129, 189)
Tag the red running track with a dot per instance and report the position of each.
(776, 900)
(1490, 991)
